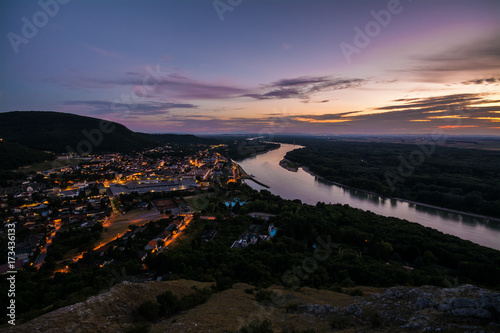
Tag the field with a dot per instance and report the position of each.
(118, 225)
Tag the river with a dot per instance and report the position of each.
(310, 189)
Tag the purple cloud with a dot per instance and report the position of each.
(304, 87)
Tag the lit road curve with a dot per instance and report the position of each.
(43, 253)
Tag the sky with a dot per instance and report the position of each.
(257, 66)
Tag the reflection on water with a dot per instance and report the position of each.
(310, 189)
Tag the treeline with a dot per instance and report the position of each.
(363, 248)
(461, 179)
(13, 156)
(241, 149)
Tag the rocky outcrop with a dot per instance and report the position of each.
(428, 309)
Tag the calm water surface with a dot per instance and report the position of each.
(310, 189)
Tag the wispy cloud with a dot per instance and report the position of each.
(137, 109)
(482, 56)
(102, 51)
(174, 86)
(435, 103)
(488, 80)
(304, 87)
(171, 85)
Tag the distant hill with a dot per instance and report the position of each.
(179, 139)
(64, 132)
(13, 155)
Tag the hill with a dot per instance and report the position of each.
(307, 310)
(14, 155)
(179, 139)
(64, 132)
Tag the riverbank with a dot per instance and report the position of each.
(289, 165)
(245, 175)
(490, 218)
(250, 150)
(311, 189)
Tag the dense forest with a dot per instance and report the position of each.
(322, 246)
(460, 179)
(13, 156)
(240, 149)
(363, 249)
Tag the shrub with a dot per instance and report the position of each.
(338, 322)
(264, 296)
(169, 303)
(138, 328)
(294, 330)
(373, 317)
(149, 310)
(249, 291)
(258, 327)
(292, 307)
(355, 292)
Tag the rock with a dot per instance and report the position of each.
(445, 306)
(460, 303)
(472, 312)
(423, 302)
(351, 309)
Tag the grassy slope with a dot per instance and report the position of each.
(112, 311)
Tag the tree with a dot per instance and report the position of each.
(149, 310)
(169, 303)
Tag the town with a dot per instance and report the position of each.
(100, 203)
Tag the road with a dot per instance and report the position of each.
(43, 253)
(186, 222)
(117, 226)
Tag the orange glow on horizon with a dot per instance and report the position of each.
(492, 119)
(456, 126)
(448, 117)
(323, 121)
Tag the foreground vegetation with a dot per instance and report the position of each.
(322, 246)
(364, 249)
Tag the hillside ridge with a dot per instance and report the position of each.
(459, 308)
(69, 133)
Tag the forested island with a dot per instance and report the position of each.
(239, 149)
(460, 179)
(286, 164)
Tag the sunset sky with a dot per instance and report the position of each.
(250, 66)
